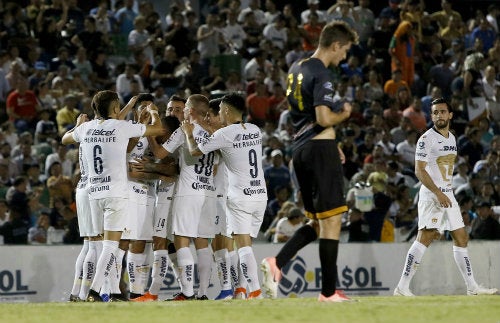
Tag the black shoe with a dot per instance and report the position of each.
(134, 295)
(202, 298)
(94, 296)
(118, 298)
(73, 298)
(181, 297)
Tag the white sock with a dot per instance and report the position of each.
(413, 259)
(204, 269)
(98, 248)
(173, 265)
(77, 282)
(89, 265)
(248, 266)
(116, 274)
(185, 267)
(105, 263)
(462, 260)
(160, 266)
(135, 262)
(223, 266)
(234, 269)
(146, 267)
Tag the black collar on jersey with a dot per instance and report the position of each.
(237, 122)
(434, 128)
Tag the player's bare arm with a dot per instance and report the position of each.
(187, 128)
(155, 128)
(127, 108)
(327, 118)
(427, 181)
(67, 138)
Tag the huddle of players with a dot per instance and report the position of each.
(218, 193)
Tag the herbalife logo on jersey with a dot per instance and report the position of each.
(100, 132)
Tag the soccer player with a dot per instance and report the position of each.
(438, 209)
(240, 145)
(193, 208)
(225, 256)
(162, 234)
(104, 141)
(316, 157)
(141, 192)
(92, 244)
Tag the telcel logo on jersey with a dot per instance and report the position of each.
(297, 279)
(101, 132)
(11, 285)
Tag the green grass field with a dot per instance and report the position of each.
(425, 309)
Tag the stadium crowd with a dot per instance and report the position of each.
(54, 57)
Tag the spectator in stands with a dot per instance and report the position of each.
(460, 178)
(125, 18)
(60, 155)
(209, 38)
(472, 150)
(258, 105)
(60, 193)
(90, 38)
(15, 229)
(472, 187)
(214, 81)
(22, 106)
(124, 80)
(487, 194)
(66, 117)
(392, 12)
(254, 7)
(177, 35)
(486, 225)
(381, 204)
(415, 114)
(277, 174)
(392, 85)
(139, 40)
(485, 33)
(286, 226)
(62, 58)
(259, 61)
(313, 9)
(402, 49)
(164, 71)
(406, 150)
(101, 75)
(71, 233)
(38, 234)
(276, 32)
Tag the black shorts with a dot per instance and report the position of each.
(319, 173)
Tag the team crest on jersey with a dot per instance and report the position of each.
(434, 220)
(140, 144)
(421, 145)
(328, 86)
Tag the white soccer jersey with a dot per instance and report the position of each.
(241, 149)
(84, 176)
(105, 147)
(220, 179)
(439, 153)
(196, 177)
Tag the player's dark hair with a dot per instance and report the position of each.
(144, 97)
(441, 101)
(171, 123)
(337, 31)
(236, 101)
(214, 105)
(177, 98)
(101, 102)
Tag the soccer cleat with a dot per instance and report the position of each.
(403, 292)
(224, 294)
(256, 294)
(481, 290)
(181, 297)
(338, 297)
(73, 298)
(240, 293)
(272, 276)
(94, 297)
(146, 298)
(118, 298)
(202, 298)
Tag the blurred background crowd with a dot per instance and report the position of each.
(54, 55)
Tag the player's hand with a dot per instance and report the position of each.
(81, 119)
(152, 107)
(443, 200)
(187, 127)
(341, 155)
(347, 108)
(132, 100)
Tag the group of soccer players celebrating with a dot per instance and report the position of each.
(193, 175)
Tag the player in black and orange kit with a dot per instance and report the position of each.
(316, 158)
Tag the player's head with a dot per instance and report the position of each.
(196, 106)
(441, 113)
(105, 104)
(175, 107)
(212, 116)
(144, 99)
(338, 37)
(170, 123)
(232, 103)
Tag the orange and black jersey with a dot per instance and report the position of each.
(309, 85)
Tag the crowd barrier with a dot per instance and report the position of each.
(45, 273)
